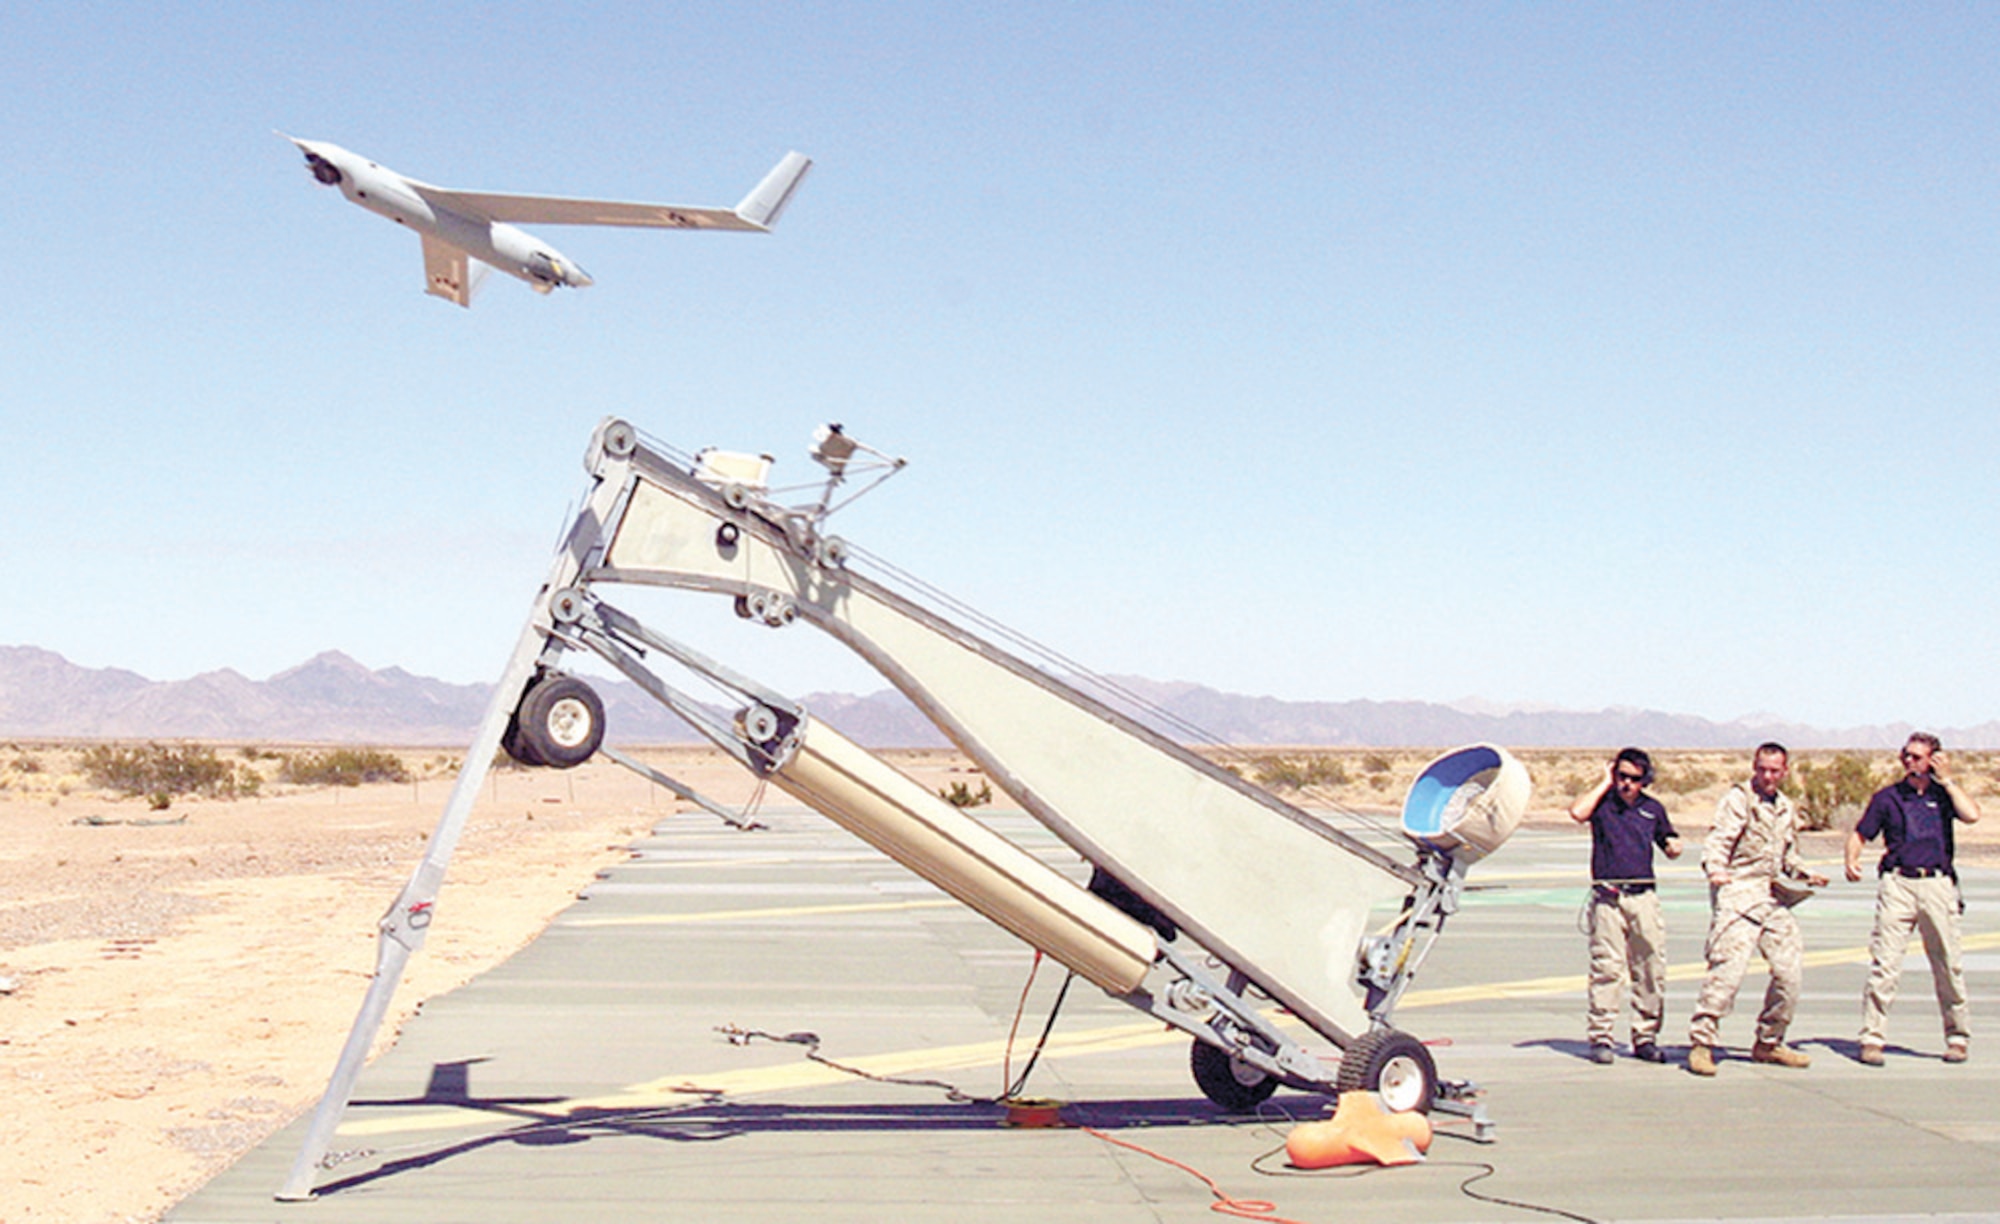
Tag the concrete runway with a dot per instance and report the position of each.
(586, 1078)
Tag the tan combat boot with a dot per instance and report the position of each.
(1782, 1055)
(1701, 1060)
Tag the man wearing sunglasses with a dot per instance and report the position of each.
(1918, 889)
(1752, 847)
(1628, 940)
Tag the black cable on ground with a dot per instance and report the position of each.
(952, 1092)
(1021, 1082)
(1483, 1170)
(1486, 1171)
(743, 1036)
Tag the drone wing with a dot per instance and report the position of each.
(756, 213)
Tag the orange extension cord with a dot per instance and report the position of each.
(1245, 1209)
(1021, 1006)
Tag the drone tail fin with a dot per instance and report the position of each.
(768, 198)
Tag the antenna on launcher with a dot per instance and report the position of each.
(841, 456)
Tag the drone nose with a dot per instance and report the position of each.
(577, 278)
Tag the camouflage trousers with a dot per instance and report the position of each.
(1747, 920)
(1628, 950)
(1930, 907)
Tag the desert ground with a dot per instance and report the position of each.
(181, 976)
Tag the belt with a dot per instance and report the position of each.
(1922, 873)
(1629, 890)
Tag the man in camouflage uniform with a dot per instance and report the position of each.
(1753, 844)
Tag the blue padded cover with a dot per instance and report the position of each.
(1431, 794)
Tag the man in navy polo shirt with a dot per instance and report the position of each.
(1628, 941)
(1918, 889)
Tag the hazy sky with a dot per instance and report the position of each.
(1588, 355)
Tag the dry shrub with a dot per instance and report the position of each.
(163, 772)
(343, 767)
(1835, 790)
(1685, 777)
(962, 796)
(1301, 773)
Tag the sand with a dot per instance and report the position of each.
(181, 990)
(183, 979)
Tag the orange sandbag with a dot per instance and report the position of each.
(1359, 1130)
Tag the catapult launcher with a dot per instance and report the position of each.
(1266, 903)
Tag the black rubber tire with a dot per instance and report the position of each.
(1394, 1064)
(559, 723)
(510, 743)
(1228, 1082)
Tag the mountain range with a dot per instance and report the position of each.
(330, 698)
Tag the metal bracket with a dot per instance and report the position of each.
(1465, 1099)
(1389, 962)
(681, 789)
(1182, 992)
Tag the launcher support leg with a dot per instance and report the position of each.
(407, 921)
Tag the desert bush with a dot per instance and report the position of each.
(164, 772)
(23, 763)
(1680, 778)
(1377, 763)
(959, 795)
(1570, 782)
(1832, 790)
(1289, 774)
(1975, 770)
(343, 767)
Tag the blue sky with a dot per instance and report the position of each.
(1586, 355)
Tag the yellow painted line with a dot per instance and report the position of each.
(1855, 956)
(1686, 873)
(803, 1073)
(783, 860)
(671, 1090)
(1686, 972)
(859, 907)
(748, 915)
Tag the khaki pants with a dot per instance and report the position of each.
(1747, 920)
(1930, 906)
(1628, 950)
